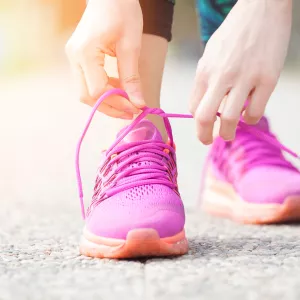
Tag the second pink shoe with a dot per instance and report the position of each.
(249, 180)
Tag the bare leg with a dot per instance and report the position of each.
(157, 33)
(152, 62)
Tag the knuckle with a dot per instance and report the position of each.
(110, 29)
(252, 121)
(75, 49)
(132, 79)
(201, 66)
(203, 140)
(204, 121)
(229, 75)
(268, 80)
(254, 78)
(228, 119)
(81, 51)
(253, 115)
(227, 136)
(69, 48)
(201, 84)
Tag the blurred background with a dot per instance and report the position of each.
(33, 32)
(41, 117)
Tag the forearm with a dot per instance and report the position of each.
(284, 4)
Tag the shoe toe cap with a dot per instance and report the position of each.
(129, 210)
(269, 185)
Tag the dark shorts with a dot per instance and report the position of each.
(158, 16)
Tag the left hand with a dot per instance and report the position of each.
(109, 28)
(242, 61)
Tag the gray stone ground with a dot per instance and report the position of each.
(40, 218)
(39, 260)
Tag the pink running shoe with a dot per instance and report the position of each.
(249, 180)
(136, 209)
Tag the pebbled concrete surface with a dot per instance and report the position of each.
(39, 260)
(40, 218)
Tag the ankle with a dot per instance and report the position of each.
(115, 125)
(159, 123)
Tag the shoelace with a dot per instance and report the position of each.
(146, 111)
(130, 160)
(236, 157)
(160, 170)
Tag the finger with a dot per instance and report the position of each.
(81, 84)
(87, 99)
(119, 102)
(257, 104)
(128, 67)
(217, 124)
(112, 112)
(98, 83)
(206, 112)
(198, 92)
(232, 111)
(108, 110)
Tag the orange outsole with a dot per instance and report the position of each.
(139, 243)
(220, 199)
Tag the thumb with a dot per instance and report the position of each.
(128, 66)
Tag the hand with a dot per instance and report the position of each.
(242, 61)
(108, 27)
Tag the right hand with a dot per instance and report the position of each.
(114, 28)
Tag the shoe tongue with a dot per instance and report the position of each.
(144, 131)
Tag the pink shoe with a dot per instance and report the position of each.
(136, 209)
(249, 180)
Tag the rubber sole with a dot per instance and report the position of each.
(139, 243)
(220, 199)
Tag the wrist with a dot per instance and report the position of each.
(284, 5)
(270, 2)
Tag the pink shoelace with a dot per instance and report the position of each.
(130, 160)
(235, 158)
(158, 172)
